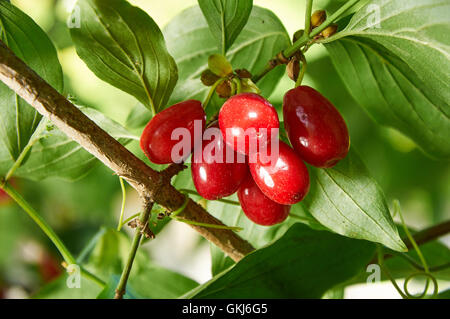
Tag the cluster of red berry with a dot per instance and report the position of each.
(266, 190)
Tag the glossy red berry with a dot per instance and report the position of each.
(216, 171)
(315, 127)
(249, 119)
(156, 140)
(282, 177)
(258, 207)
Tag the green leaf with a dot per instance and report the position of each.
(190, 42)
(123, 46)
(29, 42)
(151, 282)
(304, 263)
(400, 72)
(156, 282)
(56, 155)
(226, 18)
(348, 201)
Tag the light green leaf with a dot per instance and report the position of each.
(398, 67)
(29, 42)
(56, 155)
(123, 46)
(349, 202)
(190, 42)
(304, 263)
(226, 18)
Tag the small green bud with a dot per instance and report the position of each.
(297, 35)
(219, 65)
(208, 78)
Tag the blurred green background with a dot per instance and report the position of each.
(78, 210)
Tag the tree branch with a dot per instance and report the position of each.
(149, 183)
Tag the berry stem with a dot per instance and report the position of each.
(226, 201)
(304, 39)
(309, 4)
(238, 85)
(124, 197)
(303, 64)
(211, 92)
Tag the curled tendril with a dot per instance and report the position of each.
(424, 292)
(426, 270)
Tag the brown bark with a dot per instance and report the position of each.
(150, 184)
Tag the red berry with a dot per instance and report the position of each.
(214, 174)
(283, 178)
(250, 120)
(315, 127)
(258, 207)
(156, 140)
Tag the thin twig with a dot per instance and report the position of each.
(121, 287)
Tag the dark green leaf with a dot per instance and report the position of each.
(399, 69)
(348, 201)
(29, 42)
(123, 46)
(190, 42)
(304, 263)
(226, 18)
